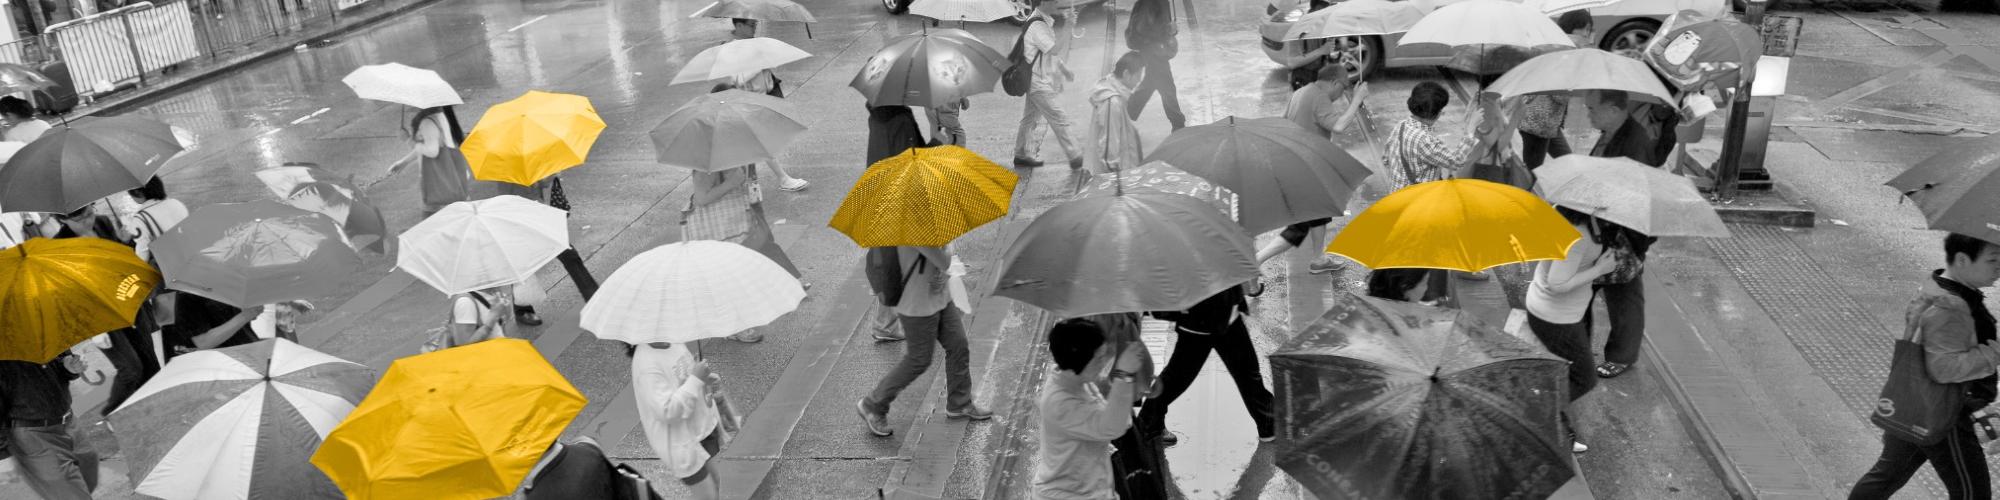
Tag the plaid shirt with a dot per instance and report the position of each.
(1416, 155)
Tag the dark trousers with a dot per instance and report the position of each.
(572, 262)
(1571, 342)
(1190, 353)
(1535, 149)
(131, 353)
(1958, 460)
(1626, 304)
(1160, 77)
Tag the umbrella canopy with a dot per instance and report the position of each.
(473, 245)
(17, 78)
(975, 11)
(1159, 177)
(461, 423)
(1632, 194)
(414, 87)
(59, 292)
(738, 58)
(68, 168)
(532, 137)
(1464, 224)
(1488, 37)
(1283, 173)
(1130, 253)
(1558, 7)
(1567, 71)
(238, 422)
(725, 130)
(261, 252)
(924, 197)
(1954, 189)
(929, 69)
(1356, 18)
(310, 188)
(762, 10)
(1390, 399)
(1694, 51)
(688, 291)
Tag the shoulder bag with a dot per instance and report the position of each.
(1914, 407)
(1629, 264)
(725, 219)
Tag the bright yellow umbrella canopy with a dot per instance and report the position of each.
(924, 197)
(1463, 224)
(56, 293)
(461, 423)
(532, 137)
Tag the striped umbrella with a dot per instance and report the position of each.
(238, 422)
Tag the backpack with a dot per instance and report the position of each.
(440, 338)
(1020, 73)
(886, 275)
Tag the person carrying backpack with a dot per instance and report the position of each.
(913, 278)
(1036, 59)
(1151, 32)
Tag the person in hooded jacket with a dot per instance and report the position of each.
(1114, 141)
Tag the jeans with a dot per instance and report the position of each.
(1626, 304)
(1959, 461)
(1535, 149)
(1571, 342)
(1042, 109)
(1190, 353)
(922, 335)
(1159, 76)
(947, 129)
(48, 462)
(131, 353)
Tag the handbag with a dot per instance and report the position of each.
(440, 338)
(725, 219)
(556, 197)
(1914, 407)
(631, 485)
(1629, 263)
(1542, 115)
(1505, 168)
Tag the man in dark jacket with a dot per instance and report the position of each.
(575, 470)
(1216, 324)
(1151, 33)
(1626, 135)
(1959, 348)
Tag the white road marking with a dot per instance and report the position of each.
(530, 21)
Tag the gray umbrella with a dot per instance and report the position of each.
(1127, 252)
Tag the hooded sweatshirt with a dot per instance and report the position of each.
(1114, 142)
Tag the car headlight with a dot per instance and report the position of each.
(1293, 15)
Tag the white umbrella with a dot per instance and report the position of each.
(1558, 7)
(1356, 18)
(976, 11)
(1567, 71)
(1487, 22)
(690, 291)
(738, 59)
(415, 87)
(473, 245)
(1648, 200)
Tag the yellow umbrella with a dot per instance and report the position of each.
(1461, 224)
(532, 137)
(466, 422)
(924, 197)
(56, 293)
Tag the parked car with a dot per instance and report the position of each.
(1624, 27)
(900, 6)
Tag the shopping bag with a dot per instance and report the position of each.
(1914, 407)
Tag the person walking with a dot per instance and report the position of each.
(1078, 421)
(930, 320)
(1114, 140)
(475, 317)
(1558, 300)
(130, 350)
(1152, 33)
(946, 127)
(548, 191)
(891, 131)
(1050, 69)
(767, 83)
(727, 206)
(22, 126)
(1317, 108)
(35, 441)
(1214, 325)
(1542, 116)
(577, 469)
(444, 176)
(1959, 348)
(676, 397)
(1401, 284)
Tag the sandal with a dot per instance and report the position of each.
(1255, 292)
(1609, 369)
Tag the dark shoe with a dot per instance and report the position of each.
(527, 317)
(1255, 291)
(1266, 438)
(1027, 162)
(877, 424)
(970, 411)
(1168, 439)
(1609, 369)
(1076, 164)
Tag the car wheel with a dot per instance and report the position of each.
(891, 6)
(1021, 13)
(1629, 39)
(1362, 55)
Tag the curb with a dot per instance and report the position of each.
(1690, 418)
(206, 73)
(1778, 206)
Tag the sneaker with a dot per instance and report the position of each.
(1478, 276)
(1325, 264)
(1577, 447)
(751, 336)
(970, 411)
(877, 424)
(794, 184)
(1027, 162)
(526, 316)
(1076, 164)
(1267, 439)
